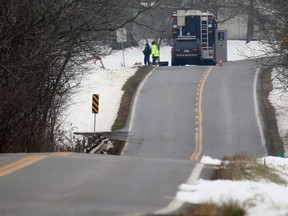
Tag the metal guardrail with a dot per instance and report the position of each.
(99, 144)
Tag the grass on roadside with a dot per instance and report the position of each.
(274, 143)
(227, 209)
(129, 89)
(245, 167)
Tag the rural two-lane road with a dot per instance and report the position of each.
(179, 115)
(185, 112)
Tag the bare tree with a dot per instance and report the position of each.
(42, 47)
(156, 23)
(273, 29)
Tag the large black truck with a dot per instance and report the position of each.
(203, 27)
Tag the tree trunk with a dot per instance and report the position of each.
(251, 21)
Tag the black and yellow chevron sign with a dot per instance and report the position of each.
(95, 103)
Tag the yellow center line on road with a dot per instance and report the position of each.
(60, 154)
(199, 117)
(26, 161)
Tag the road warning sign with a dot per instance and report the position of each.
(95, 103)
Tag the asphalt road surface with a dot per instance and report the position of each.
(179, 115)
(230, 118)
(164, 122)
(83, 184)
(187, 112)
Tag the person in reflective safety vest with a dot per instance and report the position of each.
(155, 53)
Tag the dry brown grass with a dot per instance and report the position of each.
(273, 139)
(209, 209)
(232, 168)
(245, 167)
(226, 209)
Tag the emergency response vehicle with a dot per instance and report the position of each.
(202, 26)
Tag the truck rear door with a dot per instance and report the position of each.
(221, 45)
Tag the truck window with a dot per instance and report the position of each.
(221, 36)
(186, 44)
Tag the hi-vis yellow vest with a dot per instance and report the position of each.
(154, 50)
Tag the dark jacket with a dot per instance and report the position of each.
(147, 50)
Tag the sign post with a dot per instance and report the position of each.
(95, 108)
(121, 38)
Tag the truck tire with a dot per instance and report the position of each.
(200, 62)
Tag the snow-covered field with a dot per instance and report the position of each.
(258, 198)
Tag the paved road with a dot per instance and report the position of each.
(181, 114)
(82, 184)
(229, 120)
(164, 121)
(187, 112)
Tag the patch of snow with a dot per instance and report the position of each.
(209, 160)
(108, 84)
(257, 198)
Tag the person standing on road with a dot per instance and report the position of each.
(155, 53)
(147, 53)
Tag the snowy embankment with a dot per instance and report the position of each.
(256, 197)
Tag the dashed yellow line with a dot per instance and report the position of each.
(199, 117)
(26, 161)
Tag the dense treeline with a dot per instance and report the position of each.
(42, 46)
